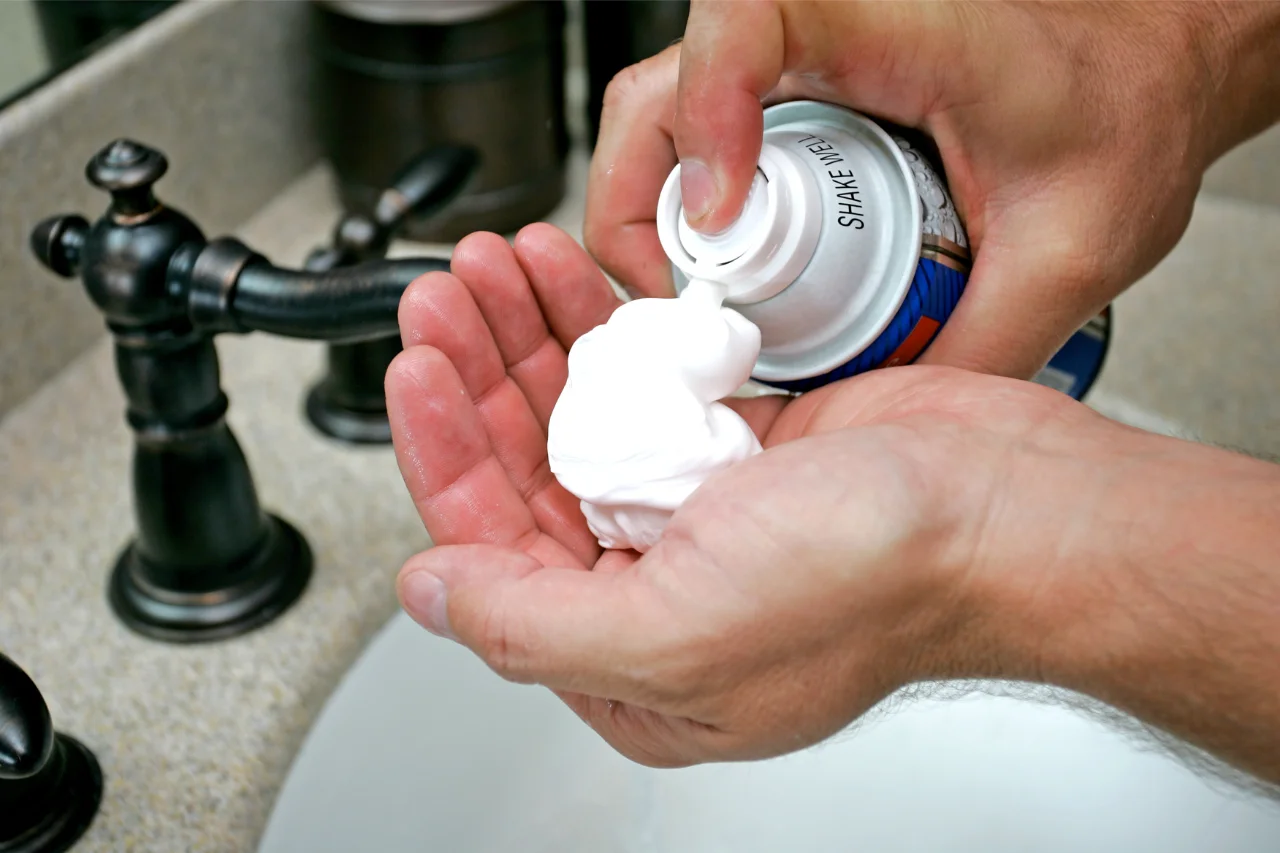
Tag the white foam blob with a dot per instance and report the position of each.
(639, 425)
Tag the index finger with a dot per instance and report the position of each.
(733, 55)
(633, 156)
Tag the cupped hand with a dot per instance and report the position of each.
(1073, 137)
(788, 595)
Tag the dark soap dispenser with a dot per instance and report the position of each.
(394, 77)
(50, 783)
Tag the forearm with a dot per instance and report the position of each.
(1240, 54)
(1163, 599)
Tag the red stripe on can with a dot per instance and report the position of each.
(914, 344)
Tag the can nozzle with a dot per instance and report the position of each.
(751, 228)
(766, 247)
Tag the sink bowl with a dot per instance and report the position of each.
(423, 748)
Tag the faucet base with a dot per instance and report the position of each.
(267, 584)
(335, 420)
(71, 790)
(349, 402)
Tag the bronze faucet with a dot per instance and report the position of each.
(207, 561)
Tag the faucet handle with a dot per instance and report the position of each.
(426, 184)
(128, 170)
(58, 241)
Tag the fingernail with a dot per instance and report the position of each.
(423, 595)
(697, 190)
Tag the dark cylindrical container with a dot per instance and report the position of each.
(403, 77)
(620, 33)
(69, 28)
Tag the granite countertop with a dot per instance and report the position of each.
(196, 741)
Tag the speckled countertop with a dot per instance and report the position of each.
(195, 742)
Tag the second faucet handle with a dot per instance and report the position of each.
(424, 186)
(348, 403)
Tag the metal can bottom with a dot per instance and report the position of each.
(935, 290)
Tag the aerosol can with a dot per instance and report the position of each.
(849, 254)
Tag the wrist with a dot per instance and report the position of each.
(1016, 512)
(1153, 587)
(1016, 537)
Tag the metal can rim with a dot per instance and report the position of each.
(893, 290)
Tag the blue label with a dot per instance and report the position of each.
(935, 290)
(933, 295)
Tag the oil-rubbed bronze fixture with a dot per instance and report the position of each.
(207, 562)
(50, 783)
(348, 402)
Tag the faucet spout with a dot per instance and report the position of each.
(230, 288)
(207, 561)
(340, 306)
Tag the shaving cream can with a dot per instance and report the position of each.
(849, 254)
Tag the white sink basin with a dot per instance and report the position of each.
(423, 748)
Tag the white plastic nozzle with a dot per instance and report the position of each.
(766, 247)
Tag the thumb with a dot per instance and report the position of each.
(563, 628)
(1028, 294)
(731, 57)
(584, 635)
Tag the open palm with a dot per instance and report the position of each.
(809, 556)
(486, 359)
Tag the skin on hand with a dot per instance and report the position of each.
(1073, 137)
(672, 657)
(915, 523)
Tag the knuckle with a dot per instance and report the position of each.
(595, 238)
(632, 88)
(497, 645)
(624, 89)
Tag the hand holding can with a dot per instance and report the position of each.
(1066, 199)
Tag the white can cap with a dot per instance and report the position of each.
(766, 247)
